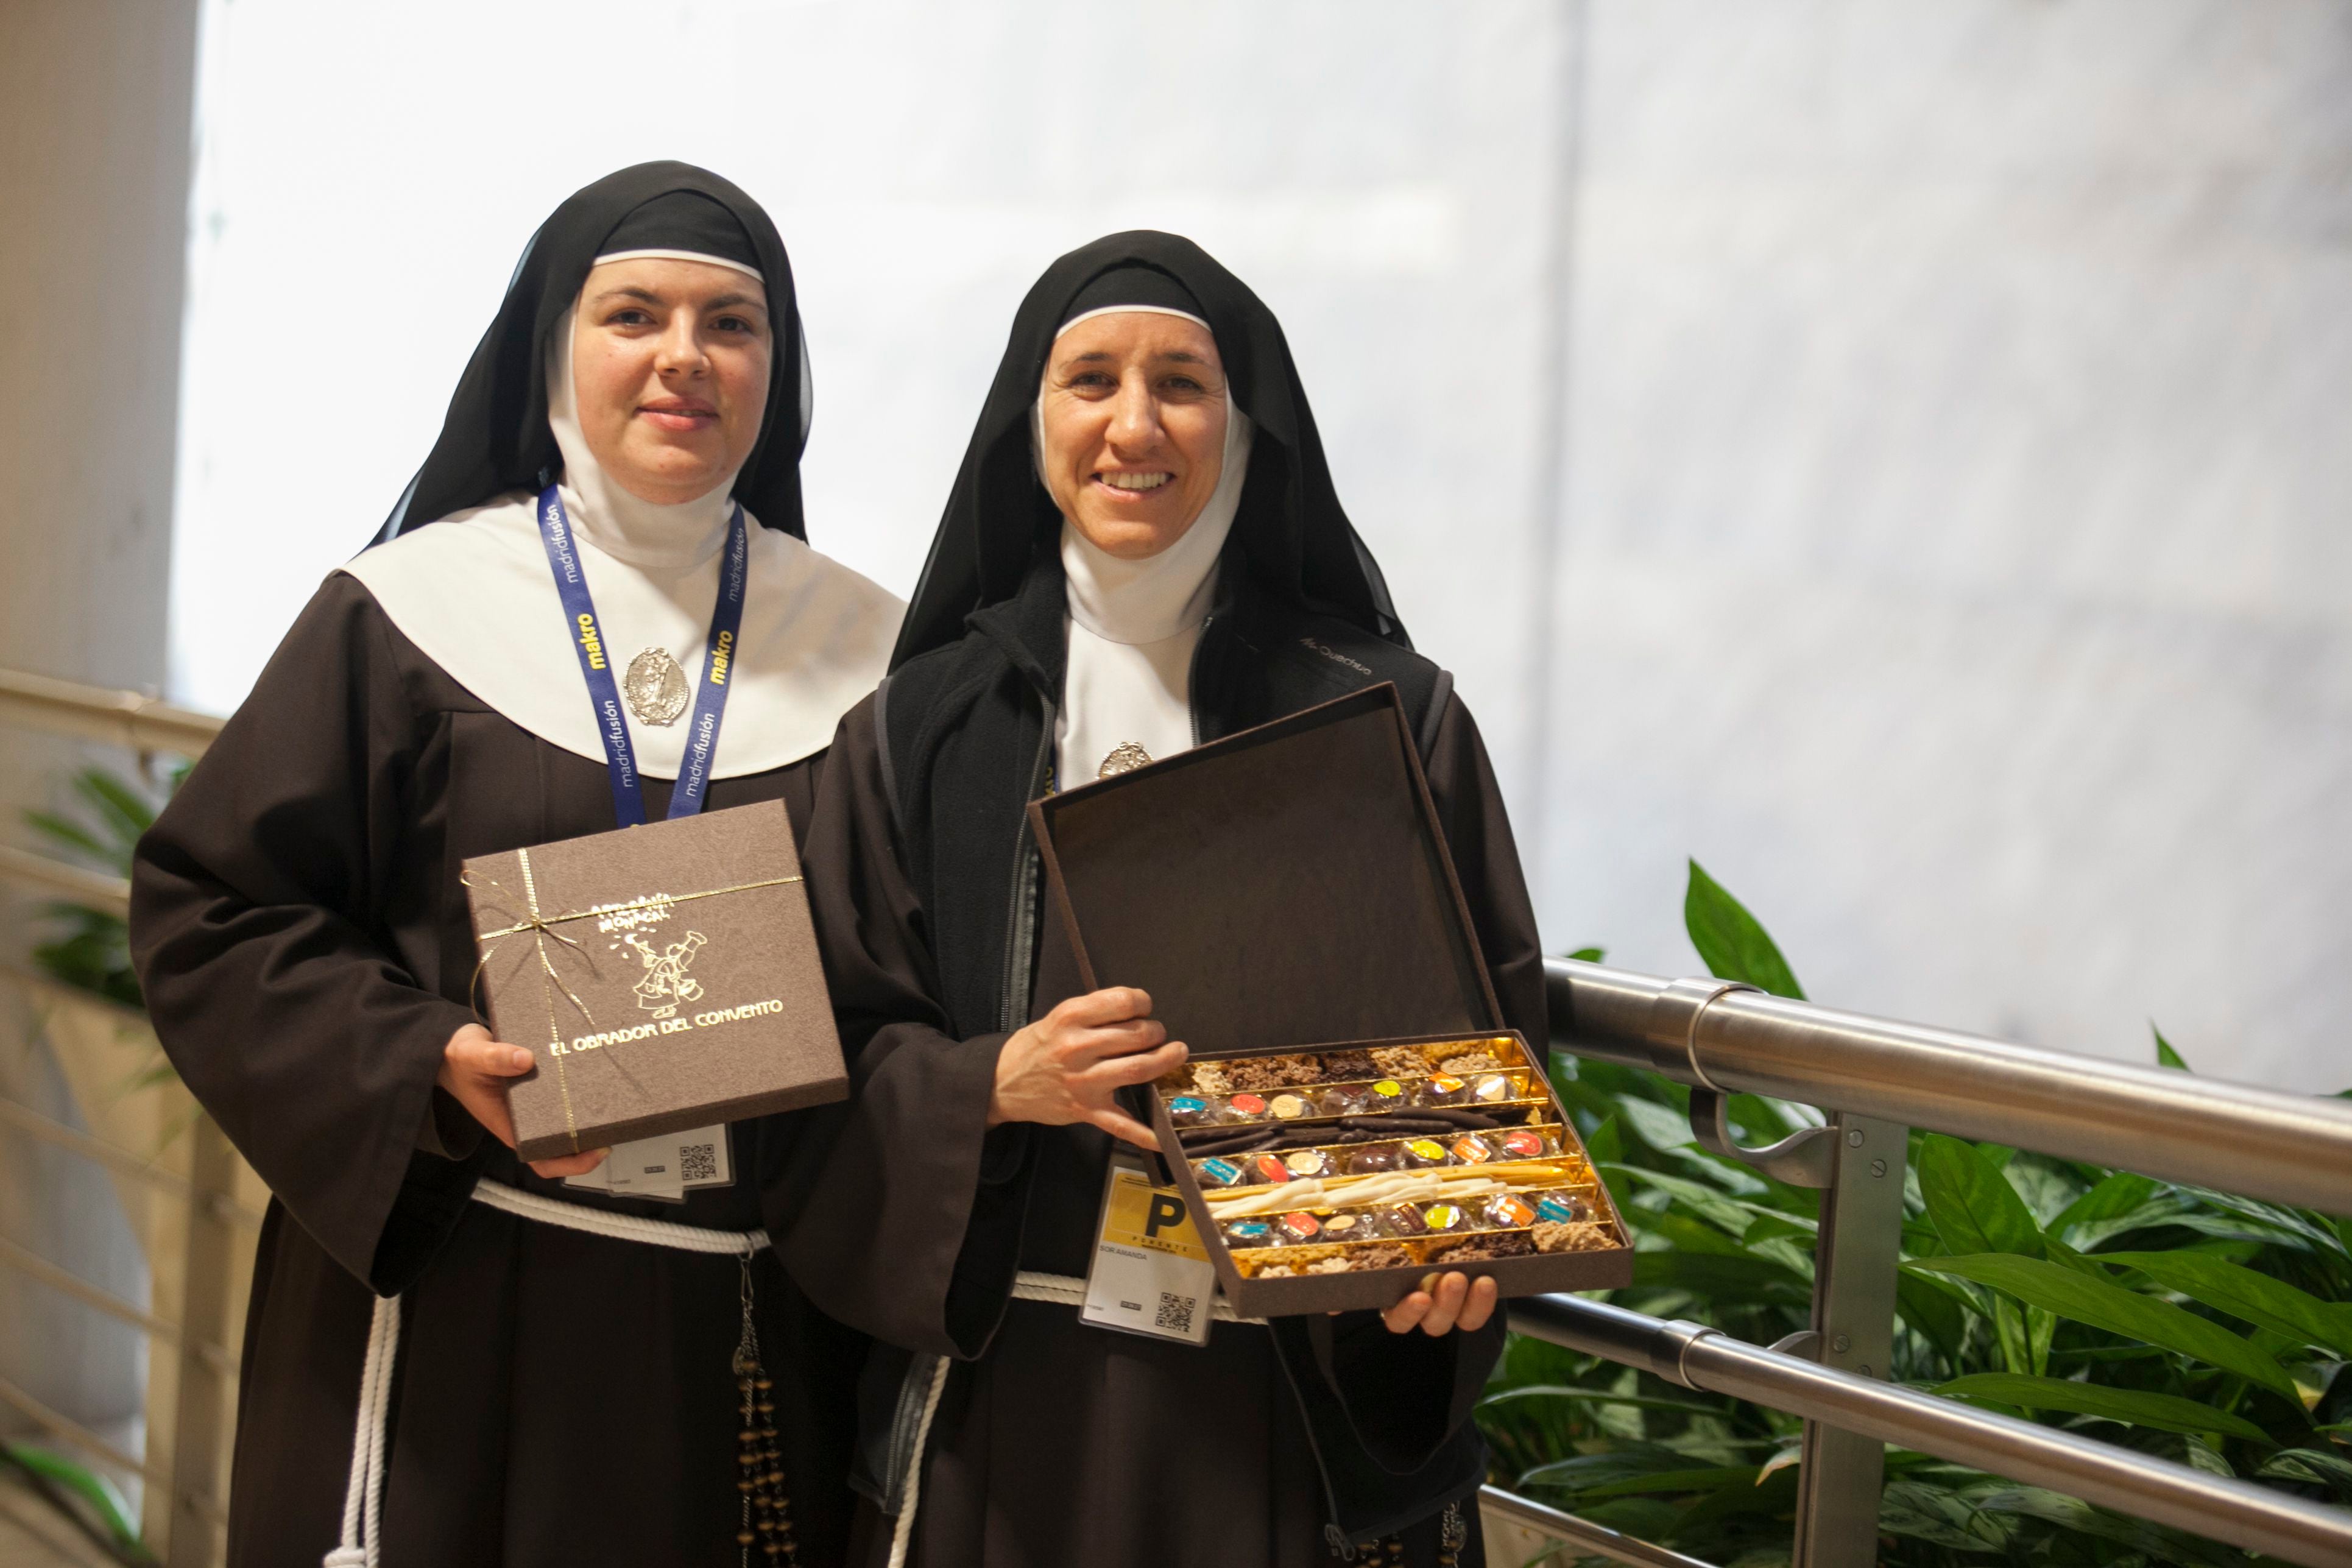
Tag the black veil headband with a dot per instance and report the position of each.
(1291, 532)
(495, 438)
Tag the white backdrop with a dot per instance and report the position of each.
(1895, 452)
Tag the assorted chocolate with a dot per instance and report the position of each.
(1393, 1157)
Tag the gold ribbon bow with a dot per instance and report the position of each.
(541, 927)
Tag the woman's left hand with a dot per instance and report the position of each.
(1444, 1303)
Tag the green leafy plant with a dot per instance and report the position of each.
(93, 951)
(89, 1500)
(2202, 1327)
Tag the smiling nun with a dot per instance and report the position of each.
(1143, 550)
(540, 1390)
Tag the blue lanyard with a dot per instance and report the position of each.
(687, 797)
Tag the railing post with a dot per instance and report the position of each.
(204, 1321)
(1840, 1474)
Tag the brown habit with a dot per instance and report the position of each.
(1057, 1443)
(561, 1398)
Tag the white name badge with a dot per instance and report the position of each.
(1151, 1274)
(666, 1167)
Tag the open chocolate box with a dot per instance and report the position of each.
(1353, 1115)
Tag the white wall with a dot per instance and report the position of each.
(1930, 525)
(1960, 512)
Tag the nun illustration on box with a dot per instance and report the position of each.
(1143, 550)
(452, 1358)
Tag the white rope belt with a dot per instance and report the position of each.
(363, 1496)
(1063, 1290)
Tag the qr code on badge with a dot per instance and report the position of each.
(698, 1163)
(1176, 1311)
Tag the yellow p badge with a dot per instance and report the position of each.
(1151, 1275)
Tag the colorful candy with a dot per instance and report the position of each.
(1299, 1226)
(1244, 1107)
(1521, 1145)
(1220, 1174)
(1269, 1168)
(1425, 1151)
(1443, 1090)
(1508, 1210)
(1249, 1233)
(1288, 1107)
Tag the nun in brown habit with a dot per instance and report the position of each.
(453, 1359)
(1143, 550)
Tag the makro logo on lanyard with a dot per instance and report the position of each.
(710, 693)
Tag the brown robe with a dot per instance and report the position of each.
(560, 1399)
(1054, 1443)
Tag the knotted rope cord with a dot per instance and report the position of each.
(363, 1494)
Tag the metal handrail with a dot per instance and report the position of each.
(1697, 1357)
(123, 1162)
(38, 872)
(2290, 1149)
(131, 719)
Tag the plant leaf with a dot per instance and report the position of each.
(2330, 1470)
(1973, 1207)
(1730, 942)
(2072, 1513)
(1696, 1197)
(2057, 1288)
(1933, 1309)
(1937, 1514)
(1589, 954)
(2282, 1221)
(2117, 1195)
(2164, 1412)
(2241, 1292)
(1607, 1144)
(1574, 1394)
(1749, 1281)
(1662, 1127)
(120, 806)
(2166, 1057)
(72, 834)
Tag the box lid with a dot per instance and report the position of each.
(1283, 886)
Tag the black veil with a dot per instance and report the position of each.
(1290, 531)
(496, 437)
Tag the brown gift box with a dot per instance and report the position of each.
(1287, 889)
(666, 977)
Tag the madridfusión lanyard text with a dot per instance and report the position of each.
(588, 641)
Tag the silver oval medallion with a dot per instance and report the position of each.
(1124, 758)
(655, 687)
